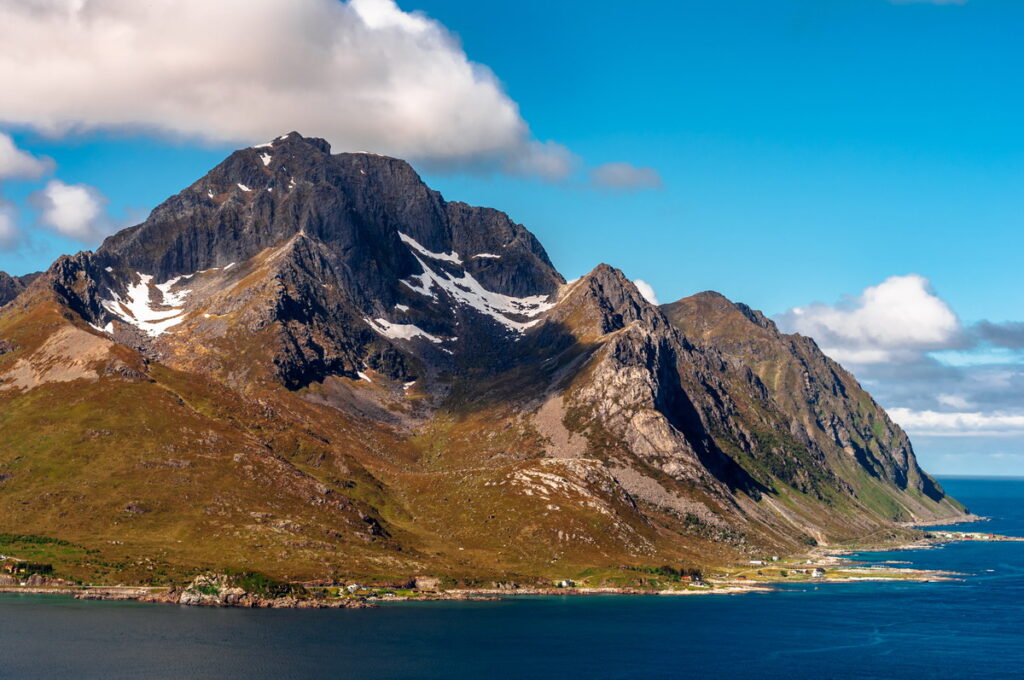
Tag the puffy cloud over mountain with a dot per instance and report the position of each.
(895, 320)
(363, 74)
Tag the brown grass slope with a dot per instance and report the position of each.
(583, 455)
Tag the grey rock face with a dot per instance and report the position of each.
(352, 229)
(11, 286)
(357, 204)
(821, 408)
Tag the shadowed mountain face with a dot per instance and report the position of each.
(827, 405)
(11, 286)
(314, 365)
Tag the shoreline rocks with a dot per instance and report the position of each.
(221, 590)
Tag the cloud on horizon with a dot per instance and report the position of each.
(957, 423)
(1009, 334)
(364, 74)
(938, 378)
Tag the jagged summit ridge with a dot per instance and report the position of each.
(356, 203)
(382, 247)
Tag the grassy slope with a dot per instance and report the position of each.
(154, 477)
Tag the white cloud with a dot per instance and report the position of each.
(647, 290)
(953, 401)
(10, 235)
(15, 163)
(958, 424)
(625, 177)
(363, 74)
(893, 321)
(945, 383)
(73, 210)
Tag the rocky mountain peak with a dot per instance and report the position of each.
(11, 286)
(710, 315)
(361, 205)
(348, 260)
(294, 140)
(604, 301)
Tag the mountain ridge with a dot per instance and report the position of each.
(337, 371)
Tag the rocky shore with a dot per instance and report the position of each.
(823, 565)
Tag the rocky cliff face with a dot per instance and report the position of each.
(316, 364)
(823, 406)
(11, 286)
(331, 242)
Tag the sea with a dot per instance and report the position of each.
(972, 628)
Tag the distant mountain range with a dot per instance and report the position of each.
(314, 366)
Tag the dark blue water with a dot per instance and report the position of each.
(969, 629)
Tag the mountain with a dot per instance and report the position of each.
(315, 366)
(11, 286)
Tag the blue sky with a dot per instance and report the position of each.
(807, 151)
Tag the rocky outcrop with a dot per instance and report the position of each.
(220, 590)
(427, 583)
(11, 286)
(657, 396)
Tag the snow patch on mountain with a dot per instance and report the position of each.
(468, 291)
(399, 331)
(138, 309)
(447, 257)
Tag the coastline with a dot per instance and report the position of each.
(963, 519)
(821, 565)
